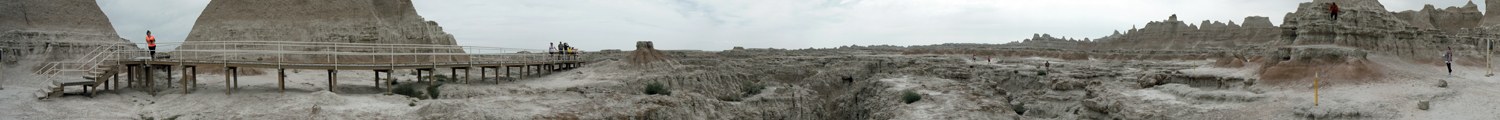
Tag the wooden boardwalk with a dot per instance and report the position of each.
(232, 67)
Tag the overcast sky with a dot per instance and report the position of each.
(723, 24)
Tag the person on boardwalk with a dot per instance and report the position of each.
(151, 44)
(551, 49)
(1334, 11)
(1448, 60)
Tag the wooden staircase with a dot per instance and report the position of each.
(96, 70)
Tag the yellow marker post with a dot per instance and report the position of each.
(1315, 88)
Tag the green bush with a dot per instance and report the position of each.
(433, 90)
(1020, 107)
(730, 98)
(409, 90)
(910, 96)
(657, 88)
(1039, 72)
(751, 89)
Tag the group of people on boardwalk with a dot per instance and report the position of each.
(562, 51)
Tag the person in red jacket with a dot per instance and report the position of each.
(151, 44)
(1335, 11)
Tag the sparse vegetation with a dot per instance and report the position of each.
(409, 90)
(730, 98)
(1040, 72)
(751, 89)
(657, 88)
(433, 91)
(910, 96)
(1020, 108)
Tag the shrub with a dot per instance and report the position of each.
(433, 90)
(1040, 72)
(409, 90)
(910, 96)
(730, 98)
(1020, 107)
(751, 89)
(657, 88)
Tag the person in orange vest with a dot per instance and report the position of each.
(151, 44)
(1335, 11)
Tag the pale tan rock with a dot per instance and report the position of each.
(62, 30)
(338, 21)
(1492, 13)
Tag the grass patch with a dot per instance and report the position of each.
(409, 90)
(433, 91)
(910, 96)
(751, 89)
(1039, 72)
(657, 88)
(1020, 108)
(730, 98)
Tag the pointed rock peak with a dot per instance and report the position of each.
(1172, 18)
(1428, 7)
(1471, 5)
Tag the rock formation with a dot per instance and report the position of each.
(335, 21)
(1371, 28)
(59, 30)
(1448, 20)
(1491, 17)
(645, 53)
(1173, 34)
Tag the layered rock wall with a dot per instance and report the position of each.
(1173, 34)
(1491, 17)
(1366, 25)
(58, 30)
(333, 21)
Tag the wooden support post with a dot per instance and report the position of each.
(195, 77)
(453, 73)
(432, 78)
(507, 74)
(389, 77)
(481, 73)
(377, 78)
(280, 80)
(130, 76)
(236, 77)
(333, 81)
(169, 76)
(466, 74)
(228, 83)
(150, 79)
(185, 80)
(113, 82)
